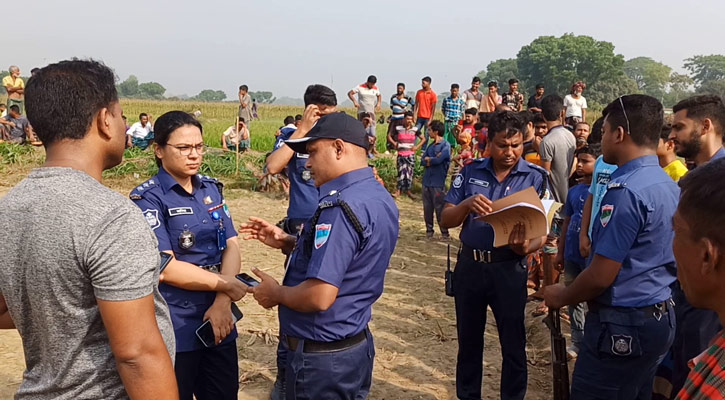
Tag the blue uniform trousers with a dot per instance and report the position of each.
(344, 374)
(620, 354)
(695, 328)
(503, 287)
(211, 373)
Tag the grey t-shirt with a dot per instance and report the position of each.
(558, 147)
(68, 241)
(21, 123)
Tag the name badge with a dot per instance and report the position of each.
(300, 155)
(478, 182)
(180, 211)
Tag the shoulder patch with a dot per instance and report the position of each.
(606, 214)
(322, 233)
(135, 196)
(458, 181)
(152, 217)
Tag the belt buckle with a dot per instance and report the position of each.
(482, 256)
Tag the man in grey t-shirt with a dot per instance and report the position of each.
(79, 267)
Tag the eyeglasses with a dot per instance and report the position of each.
(621, 103)
(185, 149)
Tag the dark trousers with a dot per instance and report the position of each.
(620, 354)
(503, 287)
(695, 328)
(433, 201)
(211, 373)
(345, 374)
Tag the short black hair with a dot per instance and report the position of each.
(321, 95)
(537, 118)
(471, 111)
(492, 84)
(476, 79)
(142, 115)
(372, 79)
(437, 127)
(641, 115)
(540, 86)
(665, 132)
(400, 84)
(15, 108)
(551, 106)
(508, 123)
(704, 106)
(427, 79)
(484, 117)
(478, 126)
(34, 70)
(595, 150)
(595, 135)
(289, 120)
(527, 116)
(408, 114)
(455, 86)
(169, 122)
(244, 87)
(513, 80)
(701, 201)
(298, 117)
(62, 99)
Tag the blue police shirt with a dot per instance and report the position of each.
(573, 209)
(303, 193)
(720, 154)
(480, 178)
(340, 257)
(171, 211)
(634, 227)
(435, 174)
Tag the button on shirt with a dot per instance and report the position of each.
(440, 158)
(303, 193)
(171, 211)
(634, 227)
(339, 257)
(138, 131)
(480, 178)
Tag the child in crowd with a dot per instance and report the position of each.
(482, 134)
(367, 121)
(568, 254)
(435, 160)
(465, 153)
(467, 124)
(407, 135)
(673, 166)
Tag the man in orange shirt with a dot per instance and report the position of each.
(425, 105)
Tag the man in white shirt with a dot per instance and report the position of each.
(142, 132)
(368, 100)
(473, 96)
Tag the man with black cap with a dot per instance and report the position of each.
(336, 266)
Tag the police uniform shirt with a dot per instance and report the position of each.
(479, 177)
(303, 193)
(720, 154)
(353, 262)
(634, 227)
(183, 224)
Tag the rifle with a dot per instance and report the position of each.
(559, 365)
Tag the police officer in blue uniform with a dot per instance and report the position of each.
(319, 100)
(487, 276)
(631, 323)
(336, 267)
(188, 214)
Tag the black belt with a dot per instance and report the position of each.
(489, 256)
(312, 346)
(212, 268)
(654, 309)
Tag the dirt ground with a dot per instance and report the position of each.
(413, 322)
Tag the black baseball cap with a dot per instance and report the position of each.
(333, 126)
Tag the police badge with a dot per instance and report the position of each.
(186, 239)
(306, 175)
(621, 345)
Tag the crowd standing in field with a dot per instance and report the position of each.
(634, 299)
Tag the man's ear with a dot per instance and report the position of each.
(620, 134)
(103, 123)
(711, 257)
(707, 125)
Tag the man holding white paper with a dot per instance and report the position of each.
(486, 275)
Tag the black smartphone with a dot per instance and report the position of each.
(247, 279)
(205, 332)
(165, 260)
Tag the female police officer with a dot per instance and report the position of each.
(188, 214)
(486, 275)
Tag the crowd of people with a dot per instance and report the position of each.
(640, 256)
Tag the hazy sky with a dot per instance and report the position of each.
(282, 46)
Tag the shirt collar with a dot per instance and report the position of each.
(636, 163)
(291, 126)
(719, 154)
(167, 182)
(345, 180)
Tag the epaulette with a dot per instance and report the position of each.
(138, 192)
(215, 181)
(615, 185)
